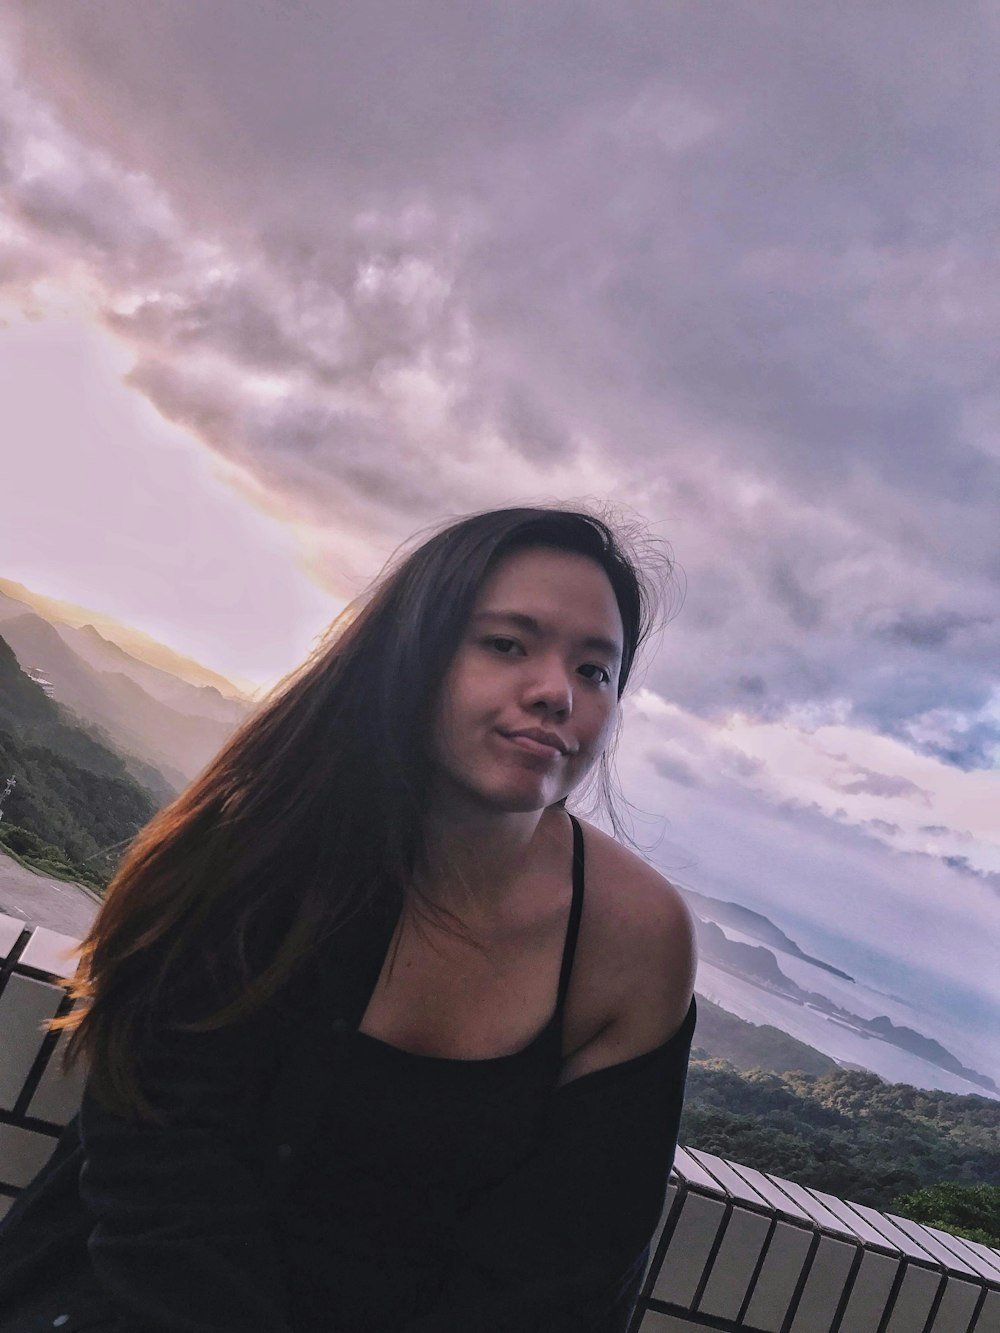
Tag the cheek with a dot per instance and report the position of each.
(605, 726)
(442, 722)
(457, 708)
(469, 692)
(594, 739)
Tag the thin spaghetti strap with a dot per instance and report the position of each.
(575, 912)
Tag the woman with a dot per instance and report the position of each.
(380, 1037)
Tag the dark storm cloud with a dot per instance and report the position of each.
(966, 746)
(755, 686)
(736, 265)
(962, 864)
(804, 609)
(882, 826)
(674, 769)
(931, 631)
(325, 463)
(883, 784)
(534, 431)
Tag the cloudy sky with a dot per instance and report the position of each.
(283, 283)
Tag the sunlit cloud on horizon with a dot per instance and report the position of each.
(121, 513)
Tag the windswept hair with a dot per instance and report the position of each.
(314, 809)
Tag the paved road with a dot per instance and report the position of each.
(67, 908)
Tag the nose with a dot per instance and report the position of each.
(550, 691)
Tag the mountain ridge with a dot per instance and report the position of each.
(756, 964)
(132, 641)
(749, 922)
(74, 797)
(106, 656)
(176, 743)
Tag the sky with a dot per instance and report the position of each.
(283, 284)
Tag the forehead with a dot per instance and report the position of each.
(555, 586)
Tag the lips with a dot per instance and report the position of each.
(536, 741)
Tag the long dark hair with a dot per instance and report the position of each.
(314, 810)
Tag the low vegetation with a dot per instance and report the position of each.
(74, 797)
(972, 1211)
(29, 850)
(722, 1036)
(845, 1132)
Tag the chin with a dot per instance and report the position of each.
(525, 806)
(504, 792)
(517, 800)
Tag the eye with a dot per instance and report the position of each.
(601, 676)
(504, 646)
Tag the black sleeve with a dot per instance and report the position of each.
(561, 1246)
(182, 1241)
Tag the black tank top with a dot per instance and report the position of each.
(412, 1140)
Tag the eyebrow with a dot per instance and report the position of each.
(596, 642)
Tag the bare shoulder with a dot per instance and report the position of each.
(637, 958)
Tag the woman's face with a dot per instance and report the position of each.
(531, 696)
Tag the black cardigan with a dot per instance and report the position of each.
(183, 1222)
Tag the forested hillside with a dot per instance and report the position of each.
(845, 1132)
(721, 1035)
(73, 796)
(169, 739)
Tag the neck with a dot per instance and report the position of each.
(476, 857)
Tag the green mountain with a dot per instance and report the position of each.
(194, 700)
(720, 1035)
(754, 924)
(15, 599)
(74, 796)
(175, 742)
(758, 965)
(846, 1132)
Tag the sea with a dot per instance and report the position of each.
(844, 1044)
